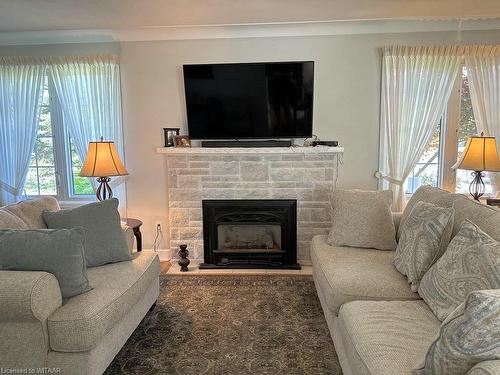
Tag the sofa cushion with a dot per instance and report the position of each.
(348, 274)
(83, 320)
(469, 335)
(485, 217)
(362, 219)
(104, 239)
(386, 337)
(471, 262)
(423, 240)
(30, 211)
(429, 194)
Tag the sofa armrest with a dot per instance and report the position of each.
(486, 368)
(28, 296)
(129, 237)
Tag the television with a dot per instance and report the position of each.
(249, 100)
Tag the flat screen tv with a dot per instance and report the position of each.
(249, 100)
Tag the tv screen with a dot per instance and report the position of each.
(250, 100)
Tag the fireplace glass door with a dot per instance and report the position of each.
(250, 233)
(244, 238)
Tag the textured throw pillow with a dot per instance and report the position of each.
(429, 194)
(104, 239)
(58, 251)
(471, 262)
(424, 238)
(470, 334)
(362, 219)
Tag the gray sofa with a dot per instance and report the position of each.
(80, 335)
(379, 326)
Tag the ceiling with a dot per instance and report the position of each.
(48, 15)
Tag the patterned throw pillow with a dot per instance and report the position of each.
(470, 334)
(424, 237)
(362, 219)
(471, 262)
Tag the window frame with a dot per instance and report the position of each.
(62, 153)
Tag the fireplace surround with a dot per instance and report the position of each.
(250, 233)
(307, 174)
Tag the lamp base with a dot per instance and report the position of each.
(477, 187)
(104, 191)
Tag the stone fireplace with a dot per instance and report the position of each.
(250, 233)
(305, 174)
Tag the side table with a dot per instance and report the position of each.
(135, 224)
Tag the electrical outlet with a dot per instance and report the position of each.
(158, 226)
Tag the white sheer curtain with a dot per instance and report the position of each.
(21, 87)
(483, 66)
(88, 89)
(416, 86)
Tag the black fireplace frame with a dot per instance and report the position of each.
(282, 212)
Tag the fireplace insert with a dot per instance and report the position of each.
(250, 233)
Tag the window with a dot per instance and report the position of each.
(428, 169)
(79, 185)
(447, 145)
(55, 164)
(41, 179)
(466, 127)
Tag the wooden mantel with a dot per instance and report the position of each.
(248, 150)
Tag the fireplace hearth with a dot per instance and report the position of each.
(250, 233)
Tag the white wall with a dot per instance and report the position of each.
(346, 102)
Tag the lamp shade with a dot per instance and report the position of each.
(480, 154)
(102, 161)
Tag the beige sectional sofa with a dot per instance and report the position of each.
(82, 334)
(379, 326)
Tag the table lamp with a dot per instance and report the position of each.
(480, 155)
(103, 161)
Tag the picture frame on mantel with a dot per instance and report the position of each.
(182, 141)
(169, 134)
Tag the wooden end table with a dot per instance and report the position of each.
(135, 224)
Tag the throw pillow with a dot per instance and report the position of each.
(429, 194)
(424, 237)
(58, 251)
(362, 219)
(468, 336)
(104, 239)
(471, 262)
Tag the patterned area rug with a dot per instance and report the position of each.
(231, 325)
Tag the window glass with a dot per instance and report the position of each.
(80, 185)
(41, 178)
(49, 159)
(427, 170)
(466, 128)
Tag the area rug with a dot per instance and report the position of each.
(231, 325)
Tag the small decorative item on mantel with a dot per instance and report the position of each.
(182, 141)
(184, 261)
(169, 134)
